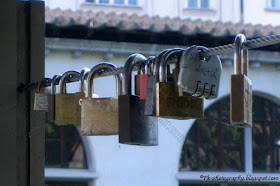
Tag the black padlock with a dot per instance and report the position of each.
(134, 127)
(50, 115)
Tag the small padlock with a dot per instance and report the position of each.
(200, 77)
(100, 115)
(170, 103)
(41, 98)
(134, 127)
(142, 78)
(80, 95)
(50, 115)
(150, 104)
(65, 105)
(241, 87)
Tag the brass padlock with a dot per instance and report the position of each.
(100, 115)
(241, 87)
(65, 103)
(41, 98)
(171, 103)
(50, 115)
(80, 95)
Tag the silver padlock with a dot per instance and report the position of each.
(199, 77)
(41, 98)
(241, 87)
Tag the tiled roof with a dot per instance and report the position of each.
(156, 24)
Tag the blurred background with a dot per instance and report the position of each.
(82, 33)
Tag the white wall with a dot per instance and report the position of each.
(259, 13)
(126, 165)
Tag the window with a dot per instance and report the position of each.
(198, 4)
(212, 146)
(67, 161)
(275, 4)
(115, 2)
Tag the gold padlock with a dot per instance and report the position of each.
(41, 98)
(80, 95)
(241, 87)
(100, 115)
(170, 101)
(65, 103)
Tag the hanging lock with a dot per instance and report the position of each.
(200, 77)
(241, 87)
(134, 127)
(80, 95)
(141, 78)
(150, 106)
(41, 98)
(170, 103)
(100, 115)
(65, 106)
(50, 115)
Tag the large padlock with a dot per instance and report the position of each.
(200, 77)
(169, 102)
(50, 115)
(100, 115)
(134, 127)
(41, 98)
(80, 95)
(65, 105)
(241, 87)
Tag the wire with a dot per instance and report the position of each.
(249, 44)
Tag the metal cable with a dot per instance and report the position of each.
(249, 44)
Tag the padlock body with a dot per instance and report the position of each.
(137, 85)
(170, 105)
(99, 116)
(143, 79)
(50, 115)
(41, 102)
(241, 101)
(150, 103)
(134, 127)
(78, 97)
(65, 109)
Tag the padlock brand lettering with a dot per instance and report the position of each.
(206, 72)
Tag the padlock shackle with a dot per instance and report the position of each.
(132, 61)
(83, 76)
(149, 65)
(95, 70)
(157, 62)
(64, 78)
(165, 61)
(44, 80)
(55, 81)
(240, 56)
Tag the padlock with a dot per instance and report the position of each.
(65, 105)
(41, 98)
(200, 77)
(150, 104)
(134, 127)
(169, 102)
(50, 115)
(241, 87)
(80, 95)
(142, 77)
(100, 115)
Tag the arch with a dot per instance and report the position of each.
(270, 99)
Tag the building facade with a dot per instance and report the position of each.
(190, 152)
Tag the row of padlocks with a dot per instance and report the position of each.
(158, 93)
